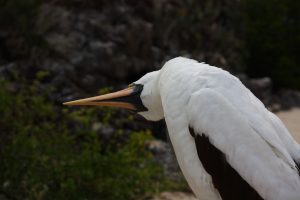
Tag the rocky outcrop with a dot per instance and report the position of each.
(87, 46)
(83, 46)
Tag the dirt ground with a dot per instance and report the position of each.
(290, 118)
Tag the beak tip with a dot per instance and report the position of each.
(67, 103)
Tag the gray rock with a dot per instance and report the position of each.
(106, 132)
(262, 88)
(164, 154)
(97, 126)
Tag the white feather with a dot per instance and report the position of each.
(213, 102)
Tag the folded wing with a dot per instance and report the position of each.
(239, 145)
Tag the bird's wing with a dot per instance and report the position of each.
(292, 146)
(186, 154)
(226, 132)
(269, 127)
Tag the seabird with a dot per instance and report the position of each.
(227, 144)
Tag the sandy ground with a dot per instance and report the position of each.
(290, 118)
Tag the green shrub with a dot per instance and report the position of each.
(50, 153)
(271, 33)
(18, 14)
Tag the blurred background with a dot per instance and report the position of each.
(53, 51)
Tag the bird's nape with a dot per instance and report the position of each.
(128, 98)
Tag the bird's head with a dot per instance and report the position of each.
(142, 97)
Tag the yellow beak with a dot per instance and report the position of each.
(128, 98)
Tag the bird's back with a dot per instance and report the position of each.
(181, 78)
(191, 76)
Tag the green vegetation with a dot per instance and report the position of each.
(18, 14)
(50, 153)
(272, 38)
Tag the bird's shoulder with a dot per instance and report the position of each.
(195, 75)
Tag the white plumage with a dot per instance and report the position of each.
(212, 101)
(227, 118)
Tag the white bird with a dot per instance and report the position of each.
(228, 145)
